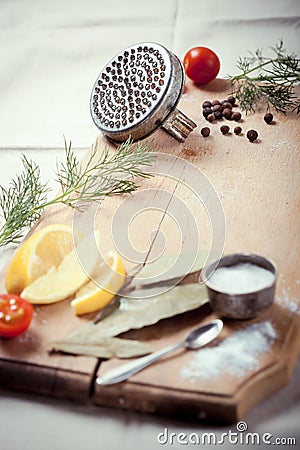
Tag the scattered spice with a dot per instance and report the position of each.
(268, 118)
(231, 100)
(217, 108)
(252, 135)
(235, 355)
(227, 113)
(236, 116)
(224, 129)
(288, 303)
(205, 131)
(218, 115)
(237, 130)
(206, 112)
(206, 104)
(227, 104)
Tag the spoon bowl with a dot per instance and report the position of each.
(204, 334)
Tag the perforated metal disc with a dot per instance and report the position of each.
(136, 91)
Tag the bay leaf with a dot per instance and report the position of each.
(107, 348)
(136, 313)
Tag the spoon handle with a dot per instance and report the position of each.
(124, 371)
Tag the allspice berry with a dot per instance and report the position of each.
(231, 100)
(205, 131)
(268, 118)
(206, 112)
(217, 108)
(218, 115)
(224, 129)
(206, 104)
(211, 117)
(227, 105)
(236, 116)
(252, 135)
(227, 113)
(237, 130)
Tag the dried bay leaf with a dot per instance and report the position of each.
(137, 313)
(108, 348)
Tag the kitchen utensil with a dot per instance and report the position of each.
(195, 339)
(137, 92)
(240, 306)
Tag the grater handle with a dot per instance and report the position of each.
(178, 125)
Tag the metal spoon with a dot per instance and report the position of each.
(197, 338)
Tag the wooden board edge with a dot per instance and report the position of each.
(198, 406)
(190, 406)
(51, 382)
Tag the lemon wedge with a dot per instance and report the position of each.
(63, 281)
(97, 293)
(41, 251)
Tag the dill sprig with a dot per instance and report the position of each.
(19, 202)
(266, 81)
(22, 203)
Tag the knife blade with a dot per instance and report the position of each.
(135, 284)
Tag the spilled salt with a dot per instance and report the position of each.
(235, 355)
(241, 278)
(288, 303)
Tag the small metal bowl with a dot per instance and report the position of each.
(240, 306)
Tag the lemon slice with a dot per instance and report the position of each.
(96, 294)
(41, 251)
(63, 281)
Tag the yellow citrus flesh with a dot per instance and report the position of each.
(41, 251)
(97, 293)
(63, 281)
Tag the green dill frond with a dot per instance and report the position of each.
(268, 81)
(110, 173)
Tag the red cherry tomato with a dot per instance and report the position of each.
(15, 315)
(201, 65)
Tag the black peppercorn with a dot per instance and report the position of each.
(216, 102)
(227, 113)
(218, 115)
(224, 129)
(236, 116)
(206, 112)
(268, 118)
(206, 104)
(231, 100)
(211, 117)
(237, 130)
(205, 131)
(252, 135)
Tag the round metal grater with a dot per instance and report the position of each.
(137, 92)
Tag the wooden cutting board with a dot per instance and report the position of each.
(258, 185)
